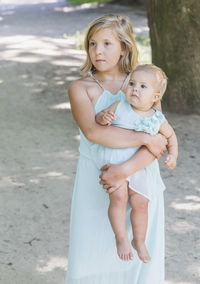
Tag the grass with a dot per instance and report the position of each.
(143, 44)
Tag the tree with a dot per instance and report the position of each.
(175, 41)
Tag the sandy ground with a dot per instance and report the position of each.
(39, 140)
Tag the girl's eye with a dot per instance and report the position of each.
(131, 84)
(92, 43)
(143, 86)
(107, 43)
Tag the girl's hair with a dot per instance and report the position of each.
(122, 26)
(160, 76)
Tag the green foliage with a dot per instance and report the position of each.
(80, 2)
(143, 40)
(144, 48)
(77, 39)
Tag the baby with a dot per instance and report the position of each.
(135, 111)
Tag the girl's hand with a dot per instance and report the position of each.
(157, 145)
(170, 162)
(112, 177)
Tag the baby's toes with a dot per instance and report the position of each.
(130, 256)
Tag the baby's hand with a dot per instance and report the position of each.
(107, 117)
(170, 162)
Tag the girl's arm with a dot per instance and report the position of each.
(172, 147)
(113, 175)
(110, 136)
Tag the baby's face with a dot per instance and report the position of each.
(141, 91)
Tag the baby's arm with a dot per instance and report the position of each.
(106, 116)
(172, 147)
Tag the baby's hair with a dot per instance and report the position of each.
(122, 26)
(160, 76)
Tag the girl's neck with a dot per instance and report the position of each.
(111, 81)
(109, 76)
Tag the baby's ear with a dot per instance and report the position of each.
(156, 97)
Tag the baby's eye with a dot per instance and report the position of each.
(143, 86)
(131, 83)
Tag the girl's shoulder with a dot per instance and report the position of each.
(86, 82)
(85, 85)
(81, 82)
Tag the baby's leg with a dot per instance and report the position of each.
(139, 221)
(117, 217)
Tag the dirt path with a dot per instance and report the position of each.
(39, 140)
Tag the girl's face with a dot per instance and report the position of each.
(141, 91)
(105, 50)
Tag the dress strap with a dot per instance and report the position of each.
(95, 79)
(125, 81)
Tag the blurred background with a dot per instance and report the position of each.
(41, 49)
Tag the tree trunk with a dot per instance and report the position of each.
(175, 40)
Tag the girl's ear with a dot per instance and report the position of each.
(123, 52)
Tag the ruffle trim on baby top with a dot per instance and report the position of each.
(151, 124)
(126, 117)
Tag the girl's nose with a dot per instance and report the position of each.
(98, 49)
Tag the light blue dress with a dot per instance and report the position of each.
(147, 180)
(93, 256)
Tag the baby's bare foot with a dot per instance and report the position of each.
(124, 249)
(142, 251)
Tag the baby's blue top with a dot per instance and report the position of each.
(126, 117)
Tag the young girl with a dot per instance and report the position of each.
(135, 111)
(111, 55)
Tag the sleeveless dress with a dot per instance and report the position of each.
(148, 180)
(93, 255)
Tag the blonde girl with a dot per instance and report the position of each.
(111, 55)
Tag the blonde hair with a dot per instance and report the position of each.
(160, 76)
(122, 26)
